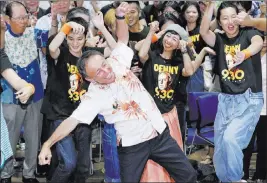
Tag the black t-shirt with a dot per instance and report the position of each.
(4, 64)
(161, 79)
(135, 37)
(65, 85)
(244, 76)
(197, 40)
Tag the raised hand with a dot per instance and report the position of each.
(122, 9)
(243, 19)
(54, 10)
(183, 45)
(76, 28)
(98, 20)
(154, 26)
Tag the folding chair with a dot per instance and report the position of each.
(194, 118)
(207, 106)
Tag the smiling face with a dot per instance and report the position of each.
(98, 70)
(132, 14)
(227, 21)
(75, 42)
(191, 14)
(19, 19)
(171, 41)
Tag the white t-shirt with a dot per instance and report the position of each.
(124, 102)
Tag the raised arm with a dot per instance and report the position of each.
(244, 19)
(59, 38)
(122, 31)
(143, 52)
(99, 24)
(199, 58)
(54, 24)
(207, 35)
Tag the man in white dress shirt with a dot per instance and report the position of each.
(117, 94)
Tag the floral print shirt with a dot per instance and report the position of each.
(125, 102)
(22, 53)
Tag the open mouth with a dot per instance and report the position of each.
(167, 45)
(231, 27)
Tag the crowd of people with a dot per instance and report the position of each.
(131, 64)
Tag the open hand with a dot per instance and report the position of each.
(243, 19)
(98, 20)
(76, 28)
(122, 9)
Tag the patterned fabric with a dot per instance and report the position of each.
(255, 9)
(6, 150)
(124, 102)
(22, 53)
(21, 49)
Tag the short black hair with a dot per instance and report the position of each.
(135, 2)
(81, 64)
(80, 21)
(174, 5)
(223, 5)
(159, 45)
(164, 18)
(10, 5)
(72, 12)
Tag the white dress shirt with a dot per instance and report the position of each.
(126, 103)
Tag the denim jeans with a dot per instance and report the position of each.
(67, 157)
(196, 81)
(111, 159)
(235, 122)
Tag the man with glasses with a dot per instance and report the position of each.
(20, 46)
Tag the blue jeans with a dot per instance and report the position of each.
(67, 157)
(235, 122)
(196, 81)
(111, 158)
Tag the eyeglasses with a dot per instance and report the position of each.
(20, 19)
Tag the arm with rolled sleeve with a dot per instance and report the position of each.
(85, 113)
(123, 54)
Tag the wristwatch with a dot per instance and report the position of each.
(119, 17)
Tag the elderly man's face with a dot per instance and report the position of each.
(19, 19)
